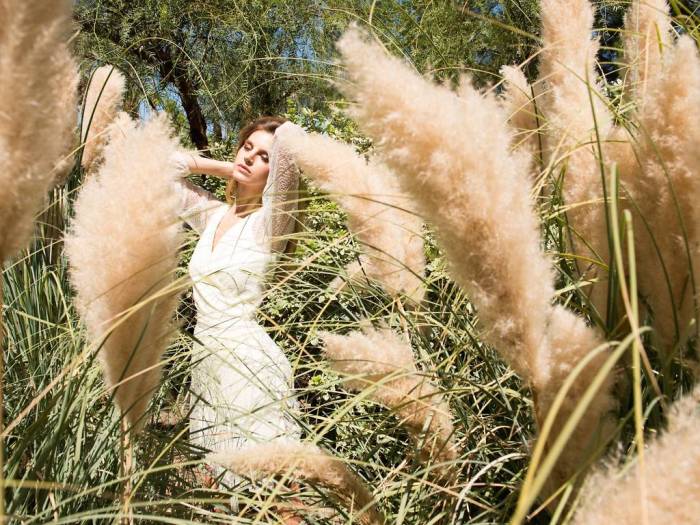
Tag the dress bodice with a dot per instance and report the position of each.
(228, 279)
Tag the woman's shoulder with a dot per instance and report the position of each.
(256, 223)
(208, 212)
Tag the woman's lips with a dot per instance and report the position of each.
(243, 168)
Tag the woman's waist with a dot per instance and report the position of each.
(220, 308)
(246, 339)
(214, 321)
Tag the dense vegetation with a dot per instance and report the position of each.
(213, 65)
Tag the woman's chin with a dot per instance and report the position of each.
(240, 178)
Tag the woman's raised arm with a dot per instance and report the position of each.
(197, 203)
(203, 166)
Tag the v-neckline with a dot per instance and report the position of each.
(213, 248)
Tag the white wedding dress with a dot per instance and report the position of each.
(242, 390)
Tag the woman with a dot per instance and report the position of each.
(241, 380)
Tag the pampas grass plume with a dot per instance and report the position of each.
(647, 37)
(575, 112)
(38, 79)
(474, 192)
(371, 354)
(381, 361)
(570, 341)
(308, 463)
(102, 101)
(518, 102)
(122, 250)
(671, 472)
(378, 212)
(668, 136)
(568, 66)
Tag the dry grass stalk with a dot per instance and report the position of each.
(378, 212)
(671, 472)
(354, 274)
(475, 193)
(102, 103)
(119, 264)
(38, 81)
(305, 462)
(381, 361)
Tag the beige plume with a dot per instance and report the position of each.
(378, 212)
(381, 362)
(666, 190)
(519, 104)
(38, 81)
(575, 118)
(670, 471)
(102, 103)
(476, 194)
(305, 462)
(122, 249)
(647, 37)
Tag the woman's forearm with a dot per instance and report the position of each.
(204, 166)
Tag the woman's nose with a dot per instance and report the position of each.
(248, 158)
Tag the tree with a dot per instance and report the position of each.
(222, 63)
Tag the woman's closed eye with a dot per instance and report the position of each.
(248, 146)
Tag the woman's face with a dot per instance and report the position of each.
(252, 163)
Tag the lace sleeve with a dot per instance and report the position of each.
(281, 193)
(196, 204)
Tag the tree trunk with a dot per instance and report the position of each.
(175, 72)
(195, 118)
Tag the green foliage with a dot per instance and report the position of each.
(242, 59)
(65, 444)
(229, 62)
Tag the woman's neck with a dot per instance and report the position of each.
(247, 200)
